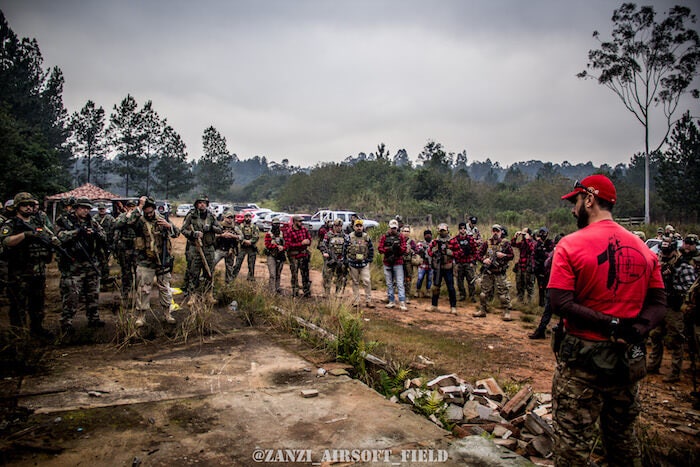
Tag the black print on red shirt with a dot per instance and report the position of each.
(626, 264)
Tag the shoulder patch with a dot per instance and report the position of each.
(5, 230)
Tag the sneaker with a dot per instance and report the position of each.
(672, 378)
(453, 310)
(479, 314)
(408, 300)
(434, 309)
(402, 306)
(390, 305)
(370, 305)
(96, 323)
(506, 316)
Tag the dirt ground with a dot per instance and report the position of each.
(502, 350)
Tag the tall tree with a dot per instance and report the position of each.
(678, 166)
(173, 172)
(649, 65)
(88, 136)
(126, 139)
(33, 151)
(152, 136)
(434, 156)
(214, 168)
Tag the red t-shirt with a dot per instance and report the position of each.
(608, 268)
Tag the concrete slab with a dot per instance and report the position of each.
(231, 400)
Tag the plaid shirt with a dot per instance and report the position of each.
(684, 277)
(526, 260)
(473, 249)
(292, 240)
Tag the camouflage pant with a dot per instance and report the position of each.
(83, 283)
(297, 265)
(524, 284)
(489, 282)
(144, 284)
(580, 399)
(466, 271)
(337, 274)
(26, 295)
(104, 266)
(229, 261)
(671, 330)
(274, 268)
(252, 254)
(198, 279)
(127, 264)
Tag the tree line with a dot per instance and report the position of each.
(134, 150)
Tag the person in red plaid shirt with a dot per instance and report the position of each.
(466, 263)
(297, 240)
(525, 267)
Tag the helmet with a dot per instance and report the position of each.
(84, 202)
(149, 202)
(23, 197)
(101, 206)
(472, 219)
(229, 214)
(202, 197)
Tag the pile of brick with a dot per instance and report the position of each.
(522, 423)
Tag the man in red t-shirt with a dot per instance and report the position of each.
(607, 287)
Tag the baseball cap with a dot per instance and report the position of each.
(597, 185)
(359, 222)
(442, 226)
(393, 224)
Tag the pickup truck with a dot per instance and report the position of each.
(318, 219)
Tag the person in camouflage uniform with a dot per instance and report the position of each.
(123, 241)
(64, 222)
(334, 269)
(200, 228)
(691, 309)
(678, 276)
(106, 221)
(466, 263)
(276, 253)
(248, 235)
(26, 240)
(227, 245)
(495, 253)
(154, 253)
(83, 243)
(6, 213)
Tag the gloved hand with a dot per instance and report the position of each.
(630, 334)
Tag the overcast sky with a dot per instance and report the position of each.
(320, 80)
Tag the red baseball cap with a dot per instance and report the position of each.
(597, 185)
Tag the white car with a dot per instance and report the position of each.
(183, 209)
(264, 221)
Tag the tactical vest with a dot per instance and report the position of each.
(197, 223)
(358, 248)
(149, 242)
(442, 259)
(497, 265)
(465, 245)
(278, 240)
(392, 244)
(247, 230)
(125, 235)
(336, 242)
(223, 243)
(30, 251)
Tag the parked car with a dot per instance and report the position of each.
(240, 207)
(264, 222)
(183, 209)
(219, 209)
(654, 244)
(163, 207)
(254, 212)
(318, 219)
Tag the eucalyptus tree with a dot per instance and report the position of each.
(649, 65)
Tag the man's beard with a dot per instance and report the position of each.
(582, 217)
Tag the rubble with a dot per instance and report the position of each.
(521, 423)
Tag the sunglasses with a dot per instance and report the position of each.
(578, 184)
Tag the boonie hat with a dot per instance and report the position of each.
(597, 185)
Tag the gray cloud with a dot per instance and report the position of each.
(317, 81)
